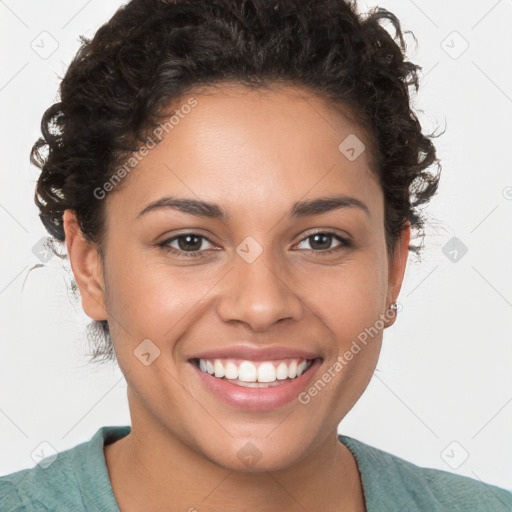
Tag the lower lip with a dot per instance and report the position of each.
(257, 399)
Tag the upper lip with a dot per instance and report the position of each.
(254, 354)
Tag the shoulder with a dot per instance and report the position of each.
(42, 486)
(396, 482)
(63, 481)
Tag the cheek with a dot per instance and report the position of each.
(350, 298)
(152, 299)
(349, 303)
(149, 303)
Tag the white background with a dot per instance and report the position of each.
(443, 389)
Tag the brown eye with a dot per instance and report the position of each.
(322, 242)
(187, 244)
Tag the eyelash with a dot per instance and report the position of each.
(344, 243)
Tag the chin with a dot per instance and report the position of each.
(256, 455)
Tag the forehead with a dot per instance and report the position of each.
(282, 144)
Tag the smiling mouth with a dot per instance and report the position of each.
(255, 374)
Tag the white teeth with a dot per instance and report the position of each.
(231, 370)
(219, 369)
(282, 371)
(266, 372)
(292, 370)
(300, 368)
(247, 372)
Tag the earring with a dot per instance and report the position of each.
(394, 306)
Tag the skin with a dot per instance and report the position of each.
(255, 153)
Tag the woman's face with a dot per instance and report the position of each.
(246, 279)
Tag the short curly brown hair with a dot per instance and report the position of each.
(152, 51)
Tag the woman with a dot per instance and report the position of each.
(236, 183)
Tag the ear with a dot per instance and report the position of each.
(396, 270)
(87, 268)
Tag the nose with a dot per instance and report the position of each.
(258, 294)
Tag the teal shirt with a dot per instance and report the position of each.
(77, 480)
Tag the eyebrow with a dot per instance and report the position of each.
(214, 211)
